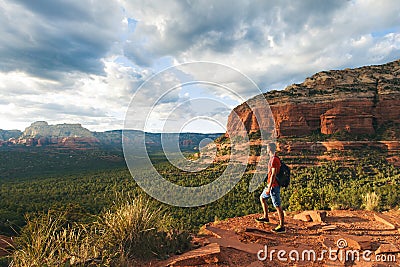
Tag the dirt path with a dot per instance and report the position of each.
(341, 238)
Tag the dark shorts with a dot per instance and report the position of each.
(275, 195)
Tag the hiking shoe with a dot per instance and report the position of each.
(262, 220)
(279, 229)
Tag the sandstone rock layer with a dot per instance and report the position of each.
(357, 101)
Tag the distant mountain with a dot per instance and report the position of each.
(43, 129)
(75, 136)
(153, 140)
(7, 134)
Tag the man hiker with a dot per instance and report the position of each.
(272, 190)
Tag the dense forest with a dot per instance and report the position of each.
(88, 183)
(77, 196)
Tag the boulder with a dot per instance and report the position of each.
(303, 217)
(311, 216)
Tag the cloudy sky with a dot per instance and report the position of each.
(83, 61)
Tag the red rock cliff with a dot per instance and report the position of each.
(354, 100)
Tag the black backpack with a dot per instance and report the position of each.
(283, 176)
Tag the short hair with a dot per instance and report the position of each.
(272, 147)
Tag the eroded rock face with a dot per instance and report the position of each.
(65, 135)
(63, 142)
(357, 101)
(347, 119)
(43, 129)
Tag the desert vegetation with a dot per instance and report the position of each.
(131, 230)
(54, 218)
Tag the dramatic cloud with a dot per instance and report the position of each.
(274, 42)
(47, 38)
(83, 60)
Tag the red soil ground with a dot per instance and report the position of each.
(236, 241)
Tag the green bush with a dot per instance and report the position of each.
(302, 199)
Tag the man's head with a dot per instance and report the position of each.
(271, 148)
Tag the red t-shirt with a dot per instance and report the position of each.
(274, 162)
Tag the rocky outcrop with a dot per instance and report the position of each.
(357, 101)
(320, 147)
(65, 135)
(43, 129)
(62, 142)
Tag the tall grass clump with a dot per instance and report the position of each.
(371, 201)
(133, 229)
(136, 228)
(49, 240)
(38, 245)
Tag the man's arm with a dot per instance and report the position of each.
(273, 176)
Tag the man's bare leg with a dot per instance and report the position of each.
(264, 205)
(280, 215)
